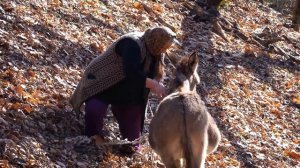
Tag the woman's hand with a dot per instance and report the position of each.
(156, 88)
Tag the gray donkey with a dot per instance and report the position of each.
(182, 126)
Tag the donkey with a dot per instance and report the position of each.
(182, 126)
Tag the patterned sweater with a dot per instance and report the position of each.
(106, 75)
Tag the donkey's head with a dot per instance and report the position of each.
(185, 76)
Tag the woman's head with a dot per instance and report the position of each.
(159, 39)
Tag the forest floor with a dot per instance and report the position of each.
(250, 80)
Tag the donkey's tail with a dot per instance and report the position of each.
(186, 139)
(193, 157)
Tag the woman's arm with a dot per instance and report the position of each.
(130, 52)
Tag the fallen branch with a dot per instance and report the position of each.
(272, 40)
(203, 15)
(282, 52)
(168, 4)
(257, 43)
(267, 42)
(240, 35)
(293, 42)
(235, 31)
(218, 29)
(200, 14)
(226, 25)
(194, 8)
(188, 5)
(142, 139)
(151, 12)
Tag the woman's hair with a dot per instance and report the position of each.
(159, 71)
(156, 38)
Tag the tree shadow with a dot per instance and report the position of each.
(48, 47)
(23, 45)
(208, 70)
(52, 128)
(207, 66)
(89, 19)
(212, 63)
(49, 134)
(283, 7)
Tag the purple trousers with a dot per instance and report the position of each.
(129, 117)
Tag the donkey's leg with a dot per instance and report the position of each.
(199, 147)
(170, 151)
(169, 158)
(214, 135)
(170, 161)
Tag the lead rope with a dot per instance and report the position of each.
(140, 140)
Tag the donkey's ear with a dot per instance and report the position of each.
(193, 60)
(173, 58)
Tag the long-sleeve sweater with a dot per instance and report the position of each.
(131, 89)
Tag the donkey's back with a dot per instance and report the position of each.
(179, 130)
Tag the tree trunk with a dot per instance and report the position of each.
(209, 3)
(296, 17)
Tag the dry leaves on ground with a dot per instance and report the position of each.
(250, 85)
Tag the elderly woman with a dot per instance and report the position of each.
(122, 77)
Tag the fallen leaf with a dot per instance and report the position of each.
(289, 84)
(97, 47)
(16, 106)
(158, 8)
(19, 90)
(4, 163)
(31, 73)
(137, 5)
(296, 100)
(248, 50)
(297, 141)
(276, 112)
(111, 35)
(293, 154)
(276, 104)
(33, 100)
(27, 108)
(31, 162)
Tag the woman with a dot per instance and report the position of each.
(122, 77)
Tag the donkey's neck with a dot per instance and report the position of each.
(184, 87)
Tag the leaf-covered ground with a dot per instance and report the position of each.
(250, 85)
